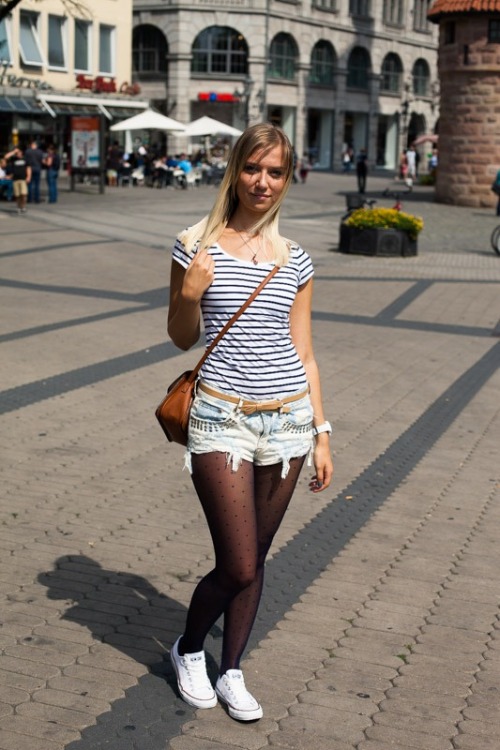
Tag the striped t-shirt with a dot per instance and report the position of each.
(256, 358)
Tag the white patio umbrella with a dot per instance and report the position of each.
(149, 120)
(208, 126)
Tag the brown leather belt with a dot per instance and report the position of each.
(250, 407)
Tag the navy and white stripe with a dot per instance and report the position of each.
(256, 359)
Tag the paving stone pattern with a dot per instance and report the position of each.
(379, 627)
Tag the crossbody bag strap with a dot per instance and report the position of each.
(232, 320)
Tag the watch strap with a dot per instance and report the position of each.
(325, 427)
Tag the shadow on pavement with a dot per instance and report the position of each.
(127, 612)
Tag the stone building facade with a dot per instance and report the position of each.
(330, 72)
(469, 73)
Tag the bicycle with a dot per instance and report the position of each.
(354, 201)
(495, 240)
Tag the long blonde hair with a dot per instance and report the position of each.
(261, 137)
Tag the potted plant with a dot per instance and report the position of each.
(380, 231)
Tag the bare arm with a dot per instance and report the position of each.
(187, 287)
(300, 328)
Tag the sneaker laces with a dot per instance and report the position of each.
(235, 683)
(196, 670)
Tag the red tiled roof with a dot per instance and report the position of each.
(446, 7)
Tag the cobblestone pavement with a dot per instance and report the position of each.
(380, 622)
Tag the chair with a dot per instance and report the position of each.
(138, 176)
(125, 175)
(194, 178)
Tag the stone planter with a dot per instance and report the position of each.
(381, 242)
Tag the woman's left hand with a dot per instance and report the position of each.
(323, 464)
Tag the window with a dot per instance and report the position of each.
(325, 4)
(322, 64)
(149, 50)
(5, 53)
(359, 8)
(421, 78)
(106, 49)
(82, 45)
(358, 68)
(493, 31)
(420, 20)
(283, 57)
(57, 42)
(220, 50)
(449, 32)
(29, 41)
(392, 71)
(393, 12)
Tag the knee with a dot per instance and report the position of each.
(237, 579)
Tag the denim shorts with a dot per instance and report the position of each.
(264, 437)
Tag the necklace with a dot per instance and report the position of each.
(254, 252)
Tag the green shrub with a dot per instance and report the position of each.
(427, 179)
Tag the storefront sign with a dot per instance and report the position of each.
(21, 82)
(212, 96)
(85, 142)
(130, 89)
(100, 84)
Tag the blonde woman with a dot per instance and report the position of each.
(258, 410)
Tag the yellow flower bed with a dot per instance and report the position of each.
(385, 218)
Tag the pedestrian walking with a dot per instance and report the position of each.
(362, 170)
(411, 161)
(52, 163)
(295, 179)
(21, 176)
(347, 156)
(258, 412)
(34, 159)
(305, 168)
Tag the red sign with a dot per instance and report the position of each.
(130, 89)
(100, 84)
(212, 96)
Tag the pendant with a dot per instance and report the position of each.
(254, 260)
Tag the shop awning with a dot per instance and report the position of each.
(60, 104)
(19, 105)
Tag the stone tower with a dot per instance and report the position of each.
(469, 126)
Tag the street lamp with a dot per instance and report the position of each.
(244, 97)
(405, 111)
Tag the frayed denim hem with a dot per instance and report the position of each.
(234, 458)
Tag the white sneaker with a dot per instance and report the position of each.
(240, 703)
(192, 679)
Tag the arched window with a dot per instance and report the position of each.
(322, 64)
(421, 78)
(392, 73)
(358, 68)
(283, 57)
(149, 50)
(220, 50)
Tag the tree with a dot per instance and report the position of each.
(72, 6)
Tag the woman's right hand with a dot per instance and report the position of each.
(198, 276)
(187, 287)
